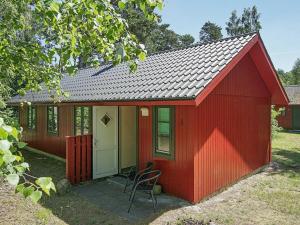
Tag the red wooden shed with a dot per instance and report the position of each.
(290, 115)
(201, 113)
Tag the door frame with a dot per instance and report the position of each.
(136, 138)
(94, 142)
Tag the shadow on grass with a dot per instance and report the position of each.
(72, 208)
(288, 161)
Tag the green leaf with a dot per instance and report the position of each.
(13, 179)
(20, 188)
(1, 122)
(54, 6)
(27, 191)
(21, 144)
(15, 133)
(1, 161)
(7, 158)
(142, 56)
(5, 145)
(160, 5)
(3, 133)
(121, 5)
(45, 183)
(52, 186)
(35, 196)
(8, 129)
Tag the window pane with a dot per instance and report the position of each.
(86, 121)
(82, 120)
(33, 117)
(78, 125)
(55, 119)
(52, 119)
(163, 130)
(164, 114)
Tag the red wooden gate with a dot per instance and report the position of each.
(79, 158)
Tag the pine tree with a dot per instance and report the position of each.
(210, 32)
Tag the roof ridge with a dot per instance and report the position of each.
(206, 43)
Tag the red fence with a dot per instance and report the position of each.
(79, 158)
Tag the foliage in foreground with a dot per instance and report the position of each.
(14, 169)
(39, 41)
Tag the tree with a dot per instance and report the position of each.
(292, 77)
(186, 40)
(233, 25)
(162, 38)
(210, 32)
(41, 39)
(296, 72)
(247, 23)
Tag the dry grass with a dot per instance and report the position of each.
(59, 210)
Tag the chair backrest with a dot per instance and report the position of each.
(150, 177)
(149, 166)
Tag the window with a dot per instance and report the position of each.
(31, 116)
(52, 120)
(163, 132)
(83, 120)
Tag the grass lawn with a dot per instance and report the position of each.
(266, 198)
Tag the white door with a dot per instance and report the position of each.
(105, 141)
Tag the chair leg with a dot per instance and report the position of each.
(125, 186)
(131, 200)
(154, 202)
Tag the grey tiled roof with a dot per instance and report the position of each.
(176, 74)
(293, 92)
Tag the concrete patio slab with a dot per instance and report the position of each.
(108, 195)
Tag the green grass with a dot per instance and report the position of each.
(286, 150)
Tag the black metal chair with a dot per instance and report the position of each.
(146, 183)
(133, 174)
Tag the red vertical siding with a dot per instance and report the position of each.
(226, 137)
(285, 121)
(177, 175)
(40, 139)
(233, 130)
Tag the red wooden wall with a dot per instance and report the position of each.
(218, 142)
(40, 139)
(286, 120)
(177, 175)
(233, 130)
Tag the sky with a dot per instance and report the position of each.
(280, 20)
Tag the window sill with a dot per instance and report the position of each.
(157, 158)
